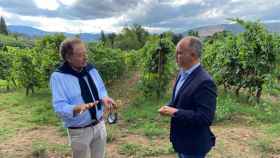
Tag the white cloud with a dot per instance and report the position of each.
(111, 15)
(212, 13)
(74, 26)
(68, 2)
(156, 29)
(4, 13)
(176, 3)
(48, 4)
(138, 11)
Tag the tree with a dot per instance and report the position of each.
(130, 38)
(47, 54)
(111, 39)
(6, 67)
(127, 40)
(157, 66)
(176, 38)
(103, 37)
(247, 60)
(173, 36)
(110, 62)
(141, 33)
(193, 33)
(3, 26)
(25, 68)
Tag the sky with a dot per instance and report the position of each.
(92, 16)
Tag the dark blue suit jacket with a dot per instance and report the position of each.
(190, 126)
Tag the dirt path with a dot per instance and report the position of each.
(22, 144)
(233, 141)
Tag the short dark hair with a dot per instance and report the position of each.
(196, 45)
(66, 46)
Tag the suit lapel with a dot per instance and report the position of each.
(186, 83)
(174, 88)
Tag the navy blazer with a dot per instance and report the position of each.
(196, 103)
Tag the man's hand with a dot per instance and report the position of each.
(109, 103)
(83, 107)
(167, 111)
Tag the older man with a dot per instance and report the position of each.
(193, 103)
(79, 96)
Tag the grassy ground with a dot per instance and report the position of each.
(29, 128)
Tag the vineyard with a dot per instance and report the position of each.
(139, 69)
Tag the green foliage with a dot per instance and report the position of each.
(47, 50)
(25, 68)
(193, 33)
(157, 67)
(217, 36)
(30, 67)
(131, 38)
(173, 36)
(50, 41)
(6, 68)
(110, 62)
(15, 41)
(132, 59)
(247, 60)
(103, 37)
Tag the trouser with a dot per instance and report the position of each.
(180, 155)
(88, 142)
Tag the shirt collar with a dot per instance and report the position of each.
(190, 70)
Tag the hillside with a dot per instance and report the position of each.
(33, 32)
(211, 29)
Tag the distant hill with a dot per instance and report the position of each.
(235, 28)
(203, 31)
(33, 32)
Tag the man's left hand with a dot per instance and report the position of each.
(167, 111)
(109, 102)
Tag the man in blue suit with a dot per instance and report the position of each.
(193, 103)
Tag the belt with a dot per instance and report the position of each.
(89, 125)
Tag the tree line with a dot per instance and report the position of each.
(246, 61)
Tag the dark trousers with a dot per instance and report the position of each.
(180, 155)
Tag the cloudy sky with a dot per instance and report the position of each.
(111, 15)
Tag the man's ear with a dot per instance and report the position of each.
(194, 55)
(68, 58)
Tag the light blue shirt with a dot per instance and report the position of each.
(183, 76)
(66, 94)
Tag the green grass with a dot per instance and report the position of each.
(229, 107)
(6, 132)
(41, 148)
(273, 130)
(113, 133)
(20, 112)
(140, 150)
(266, 146)
(36, 108)
(142, 117)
